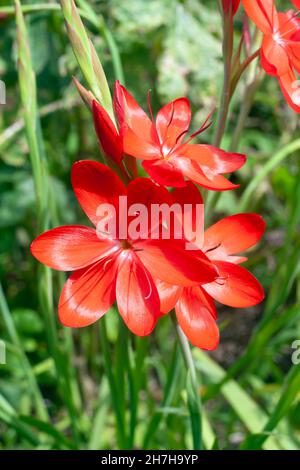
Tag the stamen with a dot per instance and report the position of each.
(150, 106)
(180, 135)
(106, 263)
(212, 249)
(203, 128)
(172, 115)
(152, 119)
(150, 287)
(291, 18)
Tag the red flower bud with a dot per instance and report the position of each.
(230, 5)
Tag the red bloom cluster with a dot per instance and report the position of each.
(280, 50)
(160, 144)
(149, 277)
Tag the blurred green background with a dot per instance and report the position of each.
(174, 48)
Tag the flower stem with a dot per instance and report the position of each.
(193, 396)
(249, 93)
(118, 409)
(226, 89)
(168, 396)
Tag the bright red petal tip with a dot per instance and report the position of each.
(137, 297)
(88, 294)
(235, 287)
(71, 247)
(168, 294)
(129, 112)
(233, 234)
(196, 320)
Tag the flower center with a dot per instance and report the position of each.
(125, 245)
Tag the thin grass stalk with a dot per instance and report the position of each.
(168, 395)
(288, 395)
(118, 409)
(41, 408)
(227, 46)
(277, 158)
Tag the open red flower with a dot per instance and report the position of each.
(230, 4)
(235, 286)
(107, 267)
(280, 51)
(167, 157)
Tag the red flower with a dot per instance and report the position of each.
(280, 51)
(235, 286)
(167, 158)
(110, 268)
(231, 4)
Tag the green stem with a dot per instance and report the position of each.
(169, 390)
(193, 396)
(120, 421)
(226, 89)
(10, 10)
(246, 104)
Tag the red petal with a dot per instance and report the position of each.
(263, 13)
(268, 68)
(169, 261)
(276, 55)
(212, 160)
(232, 235)
(129, 112)
(164, 173)
(109, 138)
(196, 320)
(236, 287)
(172, 121)
(193, 215)
(137, 296)
(168, 295)
(88, 294)
(95, 184)
(142, 191)
(69, 248)
(193, 171)
(138, 146)
(296, 3)
(291, 90)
